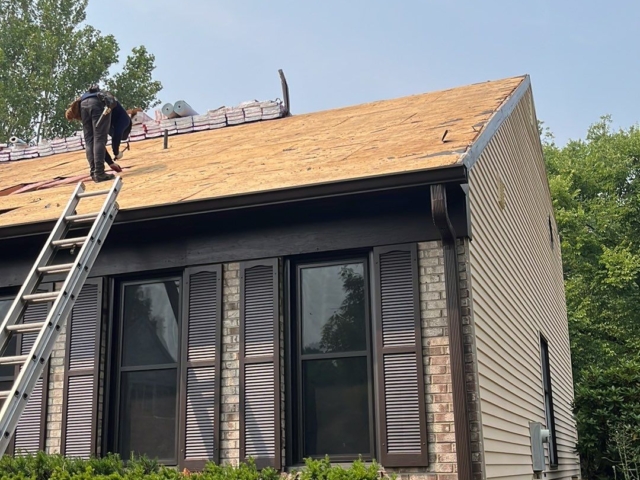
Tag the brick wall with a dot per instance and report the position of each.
(54, 399)
(438, 389)
(437, 369)
(230, 407)
(471, 365)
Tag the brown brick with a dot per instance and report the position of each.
(443, 467)
(445, 437)
(440, 379)
(443, 448)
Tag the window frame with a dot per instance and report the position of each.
(547, 396)
(115, 368)
(295, 358)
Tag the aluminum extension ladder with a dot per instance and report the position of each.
(32, 365)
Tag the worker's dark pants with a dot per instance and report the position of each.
(95, 137)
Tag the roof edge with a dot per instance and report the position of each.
(471, 156)
(456, 173)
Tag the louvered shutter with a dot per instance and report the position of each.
(260, 363)
(81, 376)
(29, 436)
(200, 367)
(400, 379)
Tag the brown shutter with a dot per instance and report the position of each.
(81, 375)
(399, 371)
(31, 430)
(200, 367)
(260, 363)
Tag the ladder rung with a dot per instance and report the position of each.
(41, 297)
(85, 217)
(26, 327)
(4, 394)
(16, 360)
(93, 194)
(63, 267)
(69, 242)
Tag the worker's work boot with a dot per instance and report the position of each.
(102, 177)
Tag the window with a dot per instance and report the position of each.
(146, 376)
(332, 367)
(548, 403)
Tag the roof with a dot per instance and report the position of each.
(373, 140)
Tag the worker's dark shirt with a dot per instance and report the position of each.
(88, 95)
(120, 126)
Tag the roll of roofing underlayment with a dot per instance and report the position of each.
(183, 109)
(16, 141)
(167, 111)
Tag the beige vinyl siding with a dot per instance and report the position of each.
(518, 293)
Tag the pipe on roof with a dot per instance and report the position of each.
(167, 111)
(183, 109)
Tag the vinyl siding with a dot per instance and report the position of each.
(518, 293)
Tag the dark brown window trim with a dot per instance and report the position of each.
(186, 365)
(294, 454)
(440, 213)
(84, 372)
(115, 359)
(274, 264)
(547, 392)
(10, 295)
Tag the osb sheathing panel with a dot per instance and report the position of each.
(369, 140)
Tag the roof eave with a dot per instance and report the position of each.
(456, 173)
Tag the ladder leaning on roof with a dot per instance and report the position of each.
(33, 364)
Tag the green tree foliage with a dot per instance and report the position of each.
(595, 186)
(607, 409)
(48, 56)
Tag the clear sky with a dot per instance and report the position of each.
(582, 55)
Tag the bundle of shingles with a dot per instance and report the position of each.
(184, 124)
(145, 127)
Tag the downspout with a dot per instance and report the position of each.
(441, 220)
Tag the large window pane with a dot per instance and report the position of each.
(150, 330)
(336, 407)
(333, 309)
(148, 414)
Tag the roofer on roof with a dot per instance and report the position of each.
(95, 112)
(89, 108)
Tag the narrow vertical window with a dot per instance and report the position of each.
(548, 403)
(147, 373)
(333, 364)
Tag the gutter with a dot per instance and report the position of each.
(440, 214)
(453, 173)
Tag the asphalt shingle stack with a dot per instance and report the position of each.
(145, 127)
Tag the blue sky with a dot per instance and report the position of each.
(582, 55)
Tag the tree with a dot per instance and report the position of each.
(595, 186)
(47, 58)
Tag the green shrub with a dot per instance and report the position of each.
(111, 467)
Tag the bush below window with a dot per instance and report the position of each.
(55, 467)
